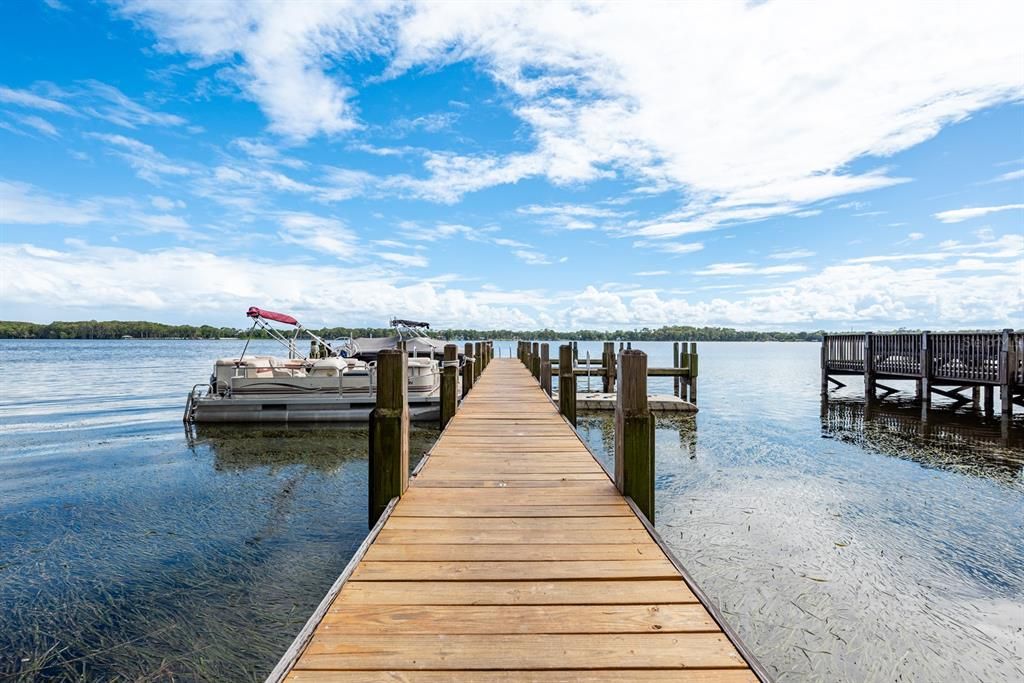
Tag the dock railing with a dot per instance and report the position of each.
(944, 363)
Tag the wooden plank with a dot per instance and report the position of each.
(514, 570)
(514, 482)
(524, 523)
(546, 651)
(484, 509)
(509, 619)
(621, 592)
(464, 552)
(512, 536)
(562, 676)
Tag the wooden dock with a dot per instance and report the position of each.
(947, 364)
(512, 556)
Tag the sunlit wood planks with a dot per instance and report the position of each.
(513, 557)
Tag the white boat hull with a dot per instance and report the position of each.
(285, 409)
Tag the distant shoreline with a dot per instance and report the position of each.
(144, 330)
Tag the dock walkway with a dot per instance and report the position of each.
(512, 556)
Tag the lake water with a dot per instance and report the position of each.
(841, 543)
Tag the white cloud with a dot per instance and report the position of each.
(114, 106)
(166, 204)
(651, 273)
(24, 98)
(282, 51)
(22, 203)
(532, 258)
(748, 269)
(319, 233)
(670, 247)
(983, 290)
(960, 215)
(915, 236)
(149, 164)
(1009, 175)
(607, 89)
(412, 260)
(39, 124)
(791, 254)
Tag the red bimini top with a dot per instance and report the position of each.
(254, 312)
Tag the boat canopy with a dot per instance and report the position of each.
(409, 323)
(255, 312)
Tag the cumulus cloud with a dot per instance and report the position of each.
(979, 285)
(717, 99)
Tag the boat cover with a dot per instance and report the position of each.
(255, 312)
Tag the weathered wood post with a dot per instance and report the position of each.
(1005, 373)
(449, 381)
(634, 433)
(566, 384)
(989, 402)
(606, 350)
(478, 351)
(824, 365)
(389, 432)
(869, 365)
(675, 365)
(575, 352)
(535, 361)
(692, 364)
(467, 369)
(545, 369)
(926, 372)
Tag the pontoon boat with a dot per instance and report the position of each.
(336, 382)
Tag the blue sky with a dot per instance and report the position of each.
(764, 166)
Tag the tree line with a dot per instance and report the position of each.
(138, 329)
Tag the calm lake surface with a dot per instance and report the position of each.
(841, 543)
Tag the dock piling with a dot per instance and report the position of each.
(634, 433)
(535, 361)
(467, 369)
(477, 352)
(566, 384)
(389, 433)
(545, 368)
(692, 365)
(449, 381)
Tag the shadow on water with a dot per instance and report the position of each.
(949, 438)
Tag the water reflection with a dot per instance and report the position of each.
(324, 448)
(962, 441)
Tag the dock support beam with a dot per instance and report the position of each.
(693, 372)
(467, 369)
(389, 432)
(1006, 373)
(824, 365)
(535, 361)
(869, 366)
(634, 433)
(545, 368)
(449, 382)
(675, 364)
(566, 384)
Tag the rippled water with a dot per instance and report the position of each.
(842, 544)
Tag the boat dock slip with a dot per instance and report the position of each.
(512, 556)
